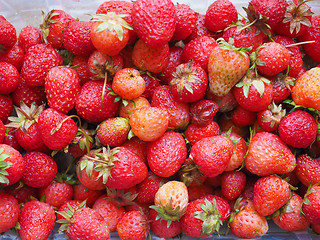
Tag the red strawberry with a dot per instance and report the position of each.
(195, 132)
(270, 118)
(9, 212)
(23, 193)
(11, 140)
(40, 169)
(127, 108)
(199, 30)
(311, 205)
(282, 86)
(151, 84)
(268, 154)
(9, 78)
(62, 85)
(137, 146)
(212, 154)
(8, 33)
(307, 169)
(2, 131)
(57, 129)
(291, 132)
(154, 21)
(28, 37)
(242, 117)
(220, 14)
(166, 154)
(82, 68)
(203, 111)
(6, 107)
(12, 165)
(82, 143)
(233, 184)
(36, 220)
(37, 62)
(81, 193)
(14, 56)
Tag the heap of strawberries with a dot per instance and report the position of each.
(151, 117)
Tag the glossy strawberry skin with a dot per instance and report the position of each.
(199, 30)
(203, 111)
(311, 209)
(9, 78)
(195, 132)
(14, 56)
(9, 212)
(148, 187)
(308, 169)
(81, 193)
(28, 37)
(232, 184)
(9, 34)
(6, 107)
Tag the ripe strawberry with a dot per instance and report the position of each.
(28, 37)
(36, 220)
(82, 143)
(154, 21)
(233, 184)
(291, 132)
(242, 117)
(205, 216)
(304, 91)
(76, 38)
(312, 34)
(109, 211)
(37, 62)
(307, 169)
(9, 78)
(137, 146)
(189, 83)
(81, 193)
(226, 66)
(11, 140)
(8, 33)
(311, 204)
(54, 24)
(185, 23)
(199, 50)
(12, 165)
(203, 111)
(82, 68)
(148, 58)
(83, 223)
(128, 83)
(246, 222)
(282, 86)
(57, 129)
(166, 154)
(151, 84)
(40, 169)
(14, 56)
(212, 154)
(199, 30)
(198, 191)
(23, 193)
(268, 154)
(127, 108)
(195, 132)
(289, 217)
(220, 14)
(9, 211)
(133, 225)
(6, 107)
(179, 115)
(65, 206)
(109, 33)
(149, 123)
(113, 131)
(270, 118)
(94, 106)
(269, 194)
(2, 131)
(62, 85)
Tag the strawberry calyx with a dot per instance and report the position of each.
(210, 216)
(230, 46)
(121, 197)
(189, 173)
(3, 166)
(104, 70)
(276, 113)
(112, 22)
(46, 22)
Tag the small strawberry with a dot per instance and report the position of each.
(226, 66)
(270, 118)
(23, 193)
(9, 78)
(307, 169)
(14, 56)
(9, 212)
(233, 184)
(242, 117)
(80, 64)
(154, 21)
(127, 107)
(203, 111)
(28, 37)
(40, 169)
(81, 193)
(195, 132)
(311, 204)
(8, 33)
(6, 107)
(166, 154)
(11, 140)
(36, 220)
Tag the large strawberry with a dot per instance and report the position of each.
(308, 169)
(226, 66)
(9, 212)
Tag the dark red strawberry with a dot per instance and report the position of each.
(81, 193)
(242, 117)
(22, 192)
(203, 111)
(199, 30)
(9, 212)
(6, 107)
(311, 204)
(81, 66)
(9, 78)
(233, 184)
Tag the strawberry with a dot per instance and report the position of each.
(57, 129)
(149, 58)
(307, 169)
(205, 216)
(36, 220)
(6, 107)
(76, 38)
(149, 123)
(54, 24)
(83, 223)
(128, 83)
(151, 84)
(82, 68)
(199, 30)
(289, 217)
(242, 117)
(23, 193)
(189, 83)
(14, 56)
(2, 131)
(269, 194)
(109, 33)
(185, 23)
(40, 169)
(154, 21)
(82, 143)
(81, 193)
(220, 14)
(127, 108)
(203, 111)
(304, 91)
(291, 132)
(133, 225)
(268, 154)
(166, 154)
(223, 59)
(28, 37)
(198, 191)
(11, 140)
(311, 204)
(246, 222)
(312, 34)
(9, 211)
(109, 211)
(12, 165)
(212, 154)
(137, 146)
(37, 62)
(94, 106)
(62, 85)
(8, 33)
(65, 206)
(195, 132)
(233, 184)
(179, 115)
(270, 118)
(199, 50)
(282, 86)
(9, 78)
(113, 131)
